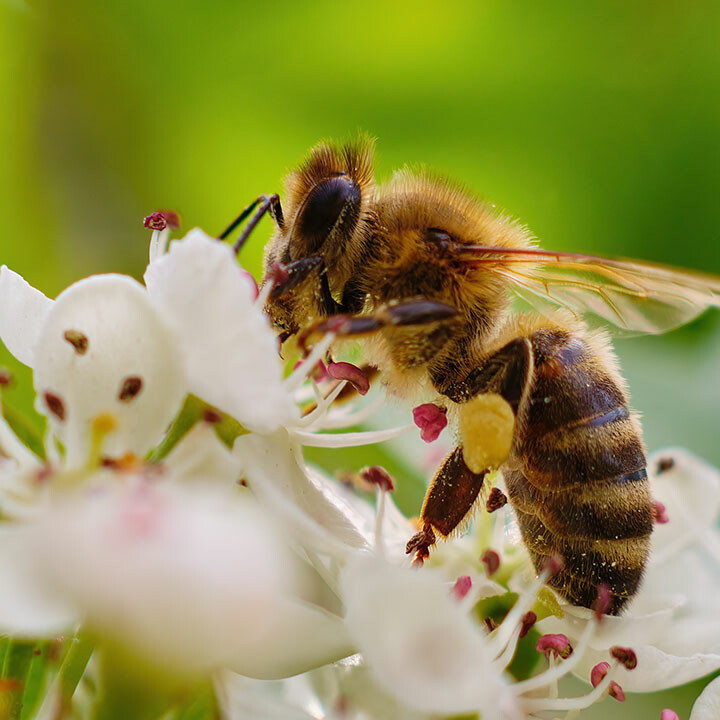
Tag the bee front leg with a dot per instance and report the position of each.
(403, 314)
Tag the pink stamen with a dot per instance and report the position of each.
(660, 515)
(352, 373)
(491, 560)
(557, 645)
(161, 219)
(379, 476)
(318, 373)
(625, 656)
(668, 714)
(604, 601)
(462, 586)
(528, 620)
(431, 419)
(597, 675)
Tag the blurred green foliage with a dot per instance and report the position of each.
(596, 123)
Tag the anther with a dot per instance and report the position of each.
(318, 373)
(6, 378)
(491, 560)
(668, 714)
(462, 587)
(528, 620)
(660, 515)
(78, 340)
(554, 564)
(598, 673)
(55, 405)
(496, 500)
(160, 219)
(603, 602)
(625, 656)
(212, 416)
(557, 645)
(378, 476)
(431, 419)
(352, 373)
(665, 464)
(130, 388)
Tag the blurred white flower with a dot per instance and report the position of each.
(707, 706)
(187, 580)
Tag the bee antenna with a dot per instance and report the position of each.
(268, 203)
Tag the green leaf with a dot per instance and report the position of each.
(73, 666)
(526, 656)
(202, 705)
(26, 430)
(192, 412)
(37, 679)
(18, 660)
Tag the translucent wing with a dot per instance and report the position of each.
(634, 295)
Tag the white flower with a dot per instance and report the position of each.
(187, 580)
(707, 706)
(419, 643)
(672, 624)
(229, 349)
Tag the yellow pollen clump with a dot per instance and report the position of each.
(486, 428)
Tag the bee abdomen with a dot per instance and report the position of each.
(616, 562)
(577, 479)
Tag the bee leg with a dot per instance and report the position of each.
(412, 312)
(268, 203)
(288, 276)
(451, 496)
(489, 399)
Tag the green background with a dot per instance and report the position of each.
(597, 124)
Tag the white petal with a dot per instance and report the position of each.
(186, 579)
(690, 491)
(202, 458)
(707, 706)
(28, 606)
(417, 641)
(230, 350)
(126, 339)
(656, 670)
(317, 518)
(300, 638)
(22, 312)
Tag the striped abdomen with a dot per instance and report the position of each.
(577, 478)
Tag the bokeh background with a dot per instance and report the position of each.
(597, 124)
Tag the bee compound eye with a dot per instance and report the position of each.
(333, 204)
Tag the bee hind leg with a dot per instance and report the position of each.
(450, 498)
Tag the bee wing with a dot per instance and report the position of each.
(633, 295)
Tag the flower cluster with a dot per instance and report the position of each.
(171, 537)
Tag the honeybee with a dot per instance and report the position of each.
(425, 274)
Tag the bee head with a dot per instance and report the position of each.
(328, 208)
